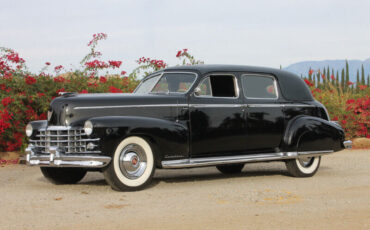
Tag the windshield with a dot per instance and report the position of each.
(167, 83)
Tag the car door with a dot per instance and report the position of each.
(216, 116)
(263, 113)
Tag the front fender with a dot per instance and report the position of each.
(168, 138)
(307, 133)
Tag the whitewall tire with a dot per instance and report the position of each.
(303, 167)
(132, 166)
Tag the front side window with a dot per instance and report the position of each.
(259, 86)
(167, 83)
(218, 86)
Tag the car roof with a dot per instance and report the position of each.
(292, 86)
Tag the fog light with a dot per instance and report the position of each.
(29, 130)
(90, 146)
(88, 127)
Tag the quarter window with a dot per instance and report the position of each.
(258, 86)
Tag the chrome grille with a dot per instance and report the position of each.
(67, 139)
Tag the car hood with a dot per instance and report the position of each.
(79, 107)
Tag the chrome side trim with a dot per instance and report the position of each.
(347, 144)
(191, 105)
(212, 161)
(56, 159)
(129, 106)
(215, 105)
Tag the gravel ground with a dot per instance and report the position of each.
(261, 197)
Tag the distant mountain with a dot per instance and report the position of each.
(302, 68)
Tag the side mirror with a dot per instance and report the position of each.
(197, 91)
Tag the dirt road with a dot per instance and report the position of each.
(262, 197)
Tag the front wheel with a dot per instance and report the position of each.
(303, 167)
(63, 175)
(132, 166)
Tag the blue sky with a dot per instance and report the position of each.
(264, 33)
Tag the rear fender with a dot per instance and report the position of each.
(307, 133)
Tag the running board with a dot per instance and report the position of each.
(211, 161)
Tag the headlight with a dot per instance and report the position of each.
(29, 130)
(88, 127)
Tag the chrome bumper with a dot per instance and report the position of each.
(57, 159)
(347, 144)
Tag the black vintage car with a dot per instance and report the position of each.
(185, 116)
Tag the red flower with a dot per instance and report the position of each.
(60, 90)
(178, 53)
(84, 91)
(30, 80)
(113, 89)
(323, 76)
(344, 122)
(47, 63)
(115, 64)
(96, 64)
(308, 82)
(350, 101)
(332, 77)
(362, 87)
(185, 50)
(310, 72)
(40, 94)
(59, 79)
(103, 79)
(6, 101)
(13, 57)
(58, 68)
(335, 118)
(350, 83)
(123, 72)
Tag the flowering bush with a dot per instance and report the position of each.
(349, 107)
(25, 96)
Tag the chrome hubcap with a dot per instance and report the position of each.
(132, 161)
(306, 161)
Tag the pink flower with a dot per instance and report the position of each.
(47, 63)
(115, 64)
(178, 53)
(123, 72)
(103, 79)
(350, 83)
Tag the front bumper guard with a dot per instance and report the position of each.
(58, 159)
(347, 144)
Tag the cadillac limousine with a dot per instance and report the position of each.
(181, 117)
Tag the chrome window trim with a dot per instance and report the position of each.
(154, 75)
(236, 85)
(262, 75)
(161, 76)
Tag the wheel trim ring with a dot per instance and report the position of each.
(132, 161)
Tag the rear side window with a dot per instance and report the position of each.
(218, 86)
(259, 86)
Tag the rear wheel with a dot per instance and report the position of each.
(304, 166)
(230, 169)
(132, 166)
(63, 175)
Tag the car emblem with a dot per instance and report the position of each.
(50, 113)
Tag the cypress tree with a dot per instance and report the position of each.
(337, 79)
(362, 75)
(318, 78)
(347, 74)
(342, 79)
(358, 79)
(368, 80)
(328, 74)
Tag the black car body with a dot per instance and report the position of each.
(189, 116)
